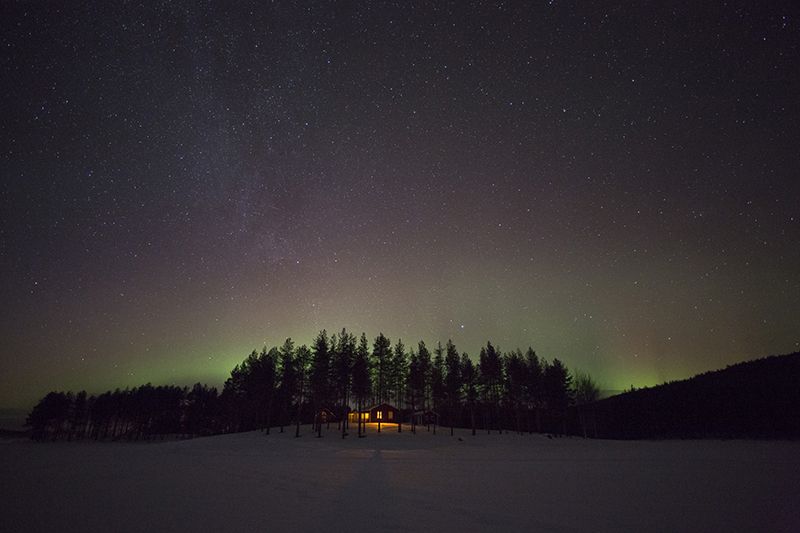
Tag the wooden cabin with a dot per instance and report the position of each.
(384, 413)
(325, 416)
(426, 417)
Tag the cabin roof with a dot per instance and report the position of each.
(370, 408)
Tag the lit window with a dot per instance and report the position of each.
(380, 415)
(391, 415)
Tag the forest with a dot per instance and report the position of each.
(286, 387)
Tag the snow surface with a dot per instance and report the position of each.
(400, 482)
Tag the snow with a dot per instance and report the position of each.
(400, 482)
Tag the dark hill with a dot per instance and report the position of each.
(754, 399)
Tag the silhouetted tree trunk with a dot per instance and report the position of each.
(361, 381)
(472, 418)
(297, 425)
(269, 414)
(343, 416)
(358, 417)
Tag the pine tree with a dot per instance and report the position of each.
(269, 364)
(399, 369)
(491, 373)
(425, 371)
(452, 382)
(381, 354)
(200, 410)
(437, 380)
(289, 381)
(79, 416)
(320, 377)
(557, 386)
(415, 386)
(49, 416)
(533, 386)
(515, 379)
(343, 360)
(361, 379)
(303, 360)
(231, 398)
(469, 378)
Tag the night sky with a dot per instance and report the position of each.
(617, 186)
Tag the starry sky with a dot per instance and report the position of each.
(615, 185)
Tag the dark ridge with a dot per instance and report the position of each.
(753, 399)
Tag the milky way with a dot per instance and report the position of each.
(615, 186)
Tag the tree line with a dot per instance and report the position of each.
(288, 386)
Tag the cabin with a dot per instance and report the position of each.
(425, 417)
(325, 416)
(379, 413)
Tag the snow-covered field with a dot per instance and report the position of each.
(424, 482)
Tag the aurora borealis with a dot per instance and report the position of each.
(617, 186)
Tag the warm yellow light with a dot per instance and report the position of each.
(380, 415)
